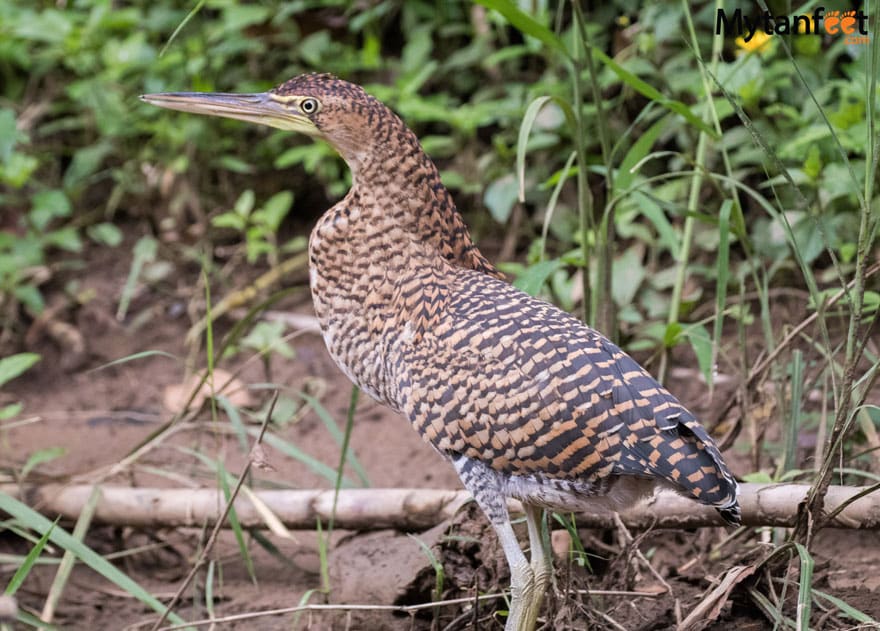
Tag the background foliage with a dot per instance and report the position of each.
(589, 140)
(673, 196)
(80, 155)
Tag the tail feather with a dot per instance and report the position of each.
(731, 514)
(662, 438)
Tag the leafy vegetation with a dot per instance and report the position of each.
(686, 192)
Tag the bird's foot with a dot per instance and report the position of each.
(526, 595)
(542, 572)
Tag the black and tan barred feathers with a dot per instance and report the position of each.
(415, 315)
(523, 399)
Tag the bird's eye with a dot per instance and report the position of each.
(309, 105)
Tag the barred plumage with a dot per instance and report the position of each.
(525, 400)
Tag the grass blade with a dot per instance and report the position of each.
(63, 572)
(340, 437)
(649, 91)
(845, 608)
(63, 539)
(343, 455)
(526, 23)
(294, 452)
(223, 476)
(793, 427)
(14, 365)
(24, 569)
(805, 598)
(722, 271)
(554, 198)
(525, 130)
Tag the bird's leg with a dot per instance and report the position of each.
(540, 564)
(522, 579)
(484, 485)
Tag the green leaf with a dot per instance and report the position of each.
(46, 206)
(627, 275)
(229, 220)
(701, 342)
(274, 210)
(639, 149)
(813, 162)
(144, 252)
(9, 134)
(237, 17)
(8, 411)
(525, 129)
(532, 279)
(296, 453)
(268, 337)
(758, 477)
(14, 365)
(105, 233)
(671, 334)
(234, 522)
(526, 24)
(86, 162)
(234, 164)
(245, 203)
(39, 457)
(649, 91)
(17, 170)
(500, 196)
(30, 297)
(66, 239)
(722, 271)
(338, 436)
(805, 584)
(845, 608)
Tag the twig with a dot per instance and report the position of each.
(219, 524)
(388, 608)
(420, 509)
(628, 540)
(795, 332)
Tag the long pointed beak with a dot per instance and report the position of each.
(263, 108)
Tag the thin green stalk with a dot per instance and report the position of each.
(63, 573)
(693, 199)
(585, 196)
(854, 351)
(602, 306)
(221, 519)
(792, 429)
(343, 455)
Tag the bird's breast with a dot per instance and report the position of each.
(352, 277)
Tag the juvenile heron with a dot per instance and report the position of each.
(525, 400)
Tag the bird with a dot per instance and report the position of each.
(525, 400)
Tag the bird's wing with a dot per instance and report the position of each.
(487, 371)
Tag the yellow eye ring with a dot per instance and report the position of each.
(309, 105)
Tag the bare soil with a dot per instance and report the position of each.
(100, 416)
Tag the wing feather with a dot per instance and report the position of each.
(499, 376)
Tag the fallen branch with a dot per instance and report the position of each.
(419, 509)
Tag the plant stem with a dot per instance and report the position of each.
(585, 196)
(602, 306)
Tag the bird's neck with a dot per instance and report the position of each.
(396, 224)
(397, 189)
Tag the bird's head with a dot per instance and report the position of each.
(318, 105)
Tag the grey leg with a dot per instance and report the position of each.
(483, 484)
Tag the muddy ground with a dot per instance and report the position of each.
(100, 416)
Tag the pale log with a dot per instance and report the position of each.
(418, 509)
